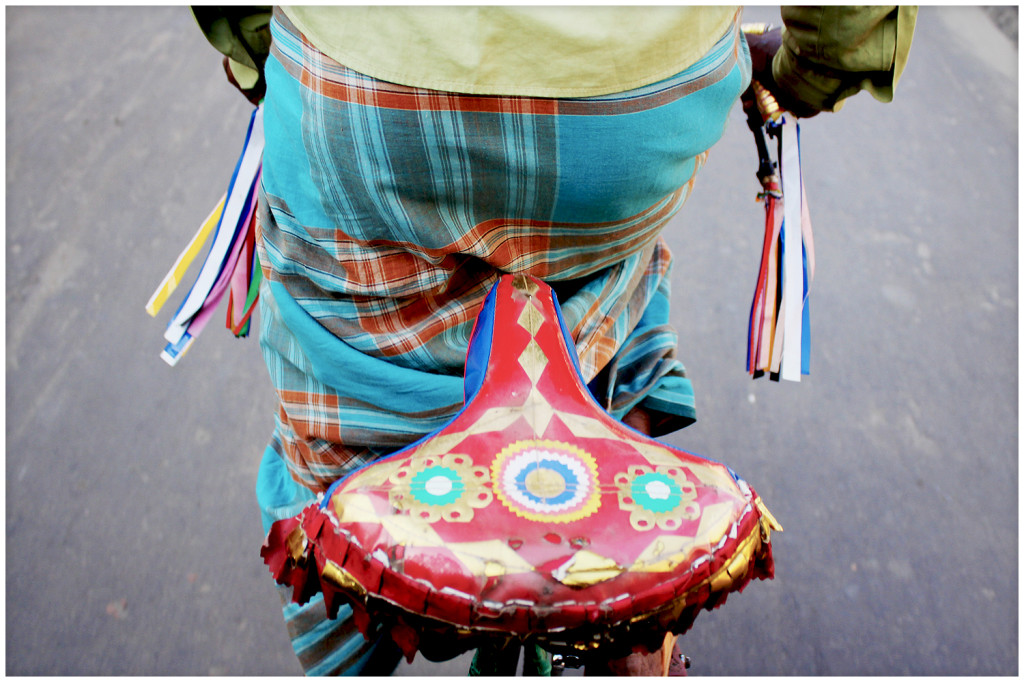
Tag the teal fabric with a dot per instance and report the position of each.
(277, 494)
(357, 375)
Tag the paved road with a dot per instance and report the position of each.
(132, 533)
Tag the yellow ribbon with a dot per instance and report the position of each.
(185, 258)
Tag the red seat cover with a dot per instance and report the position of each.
(532, 514)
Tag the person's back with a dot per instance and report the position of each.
(414, 154)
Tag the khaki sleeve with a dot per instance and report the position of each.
(240, 33)
(831, 52)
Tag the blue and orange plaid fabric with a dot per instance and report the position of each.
(388, 212)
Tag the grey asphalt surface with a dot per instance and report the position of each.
(132, 531)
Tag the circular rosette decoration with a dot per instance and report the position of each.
(662, 497)
(546, 481)
(436, 488)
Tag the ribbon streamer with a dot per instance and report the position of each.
(778, 337)
(185, 258)
(231, 263)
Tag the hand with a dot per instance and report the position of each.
(255, 94)
(763, 47)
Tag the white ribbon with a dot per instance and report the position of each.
(792, 258)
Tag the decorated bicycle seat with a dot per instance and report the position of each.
(533, 514)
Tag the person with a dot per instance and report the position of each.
(414, 154)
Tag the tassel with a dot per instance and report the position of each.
(778, 336)
(230, 263)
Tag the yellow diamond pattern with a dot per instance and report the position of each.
(533, 361)
(531, 319)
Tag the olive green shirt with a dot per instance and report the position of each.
(828, 54)
(832, 52)
(528, 51)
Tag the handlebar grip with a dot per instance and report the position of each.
(758, 94)
(766, 103)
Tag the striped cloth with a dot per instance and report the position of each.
(388, 212)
